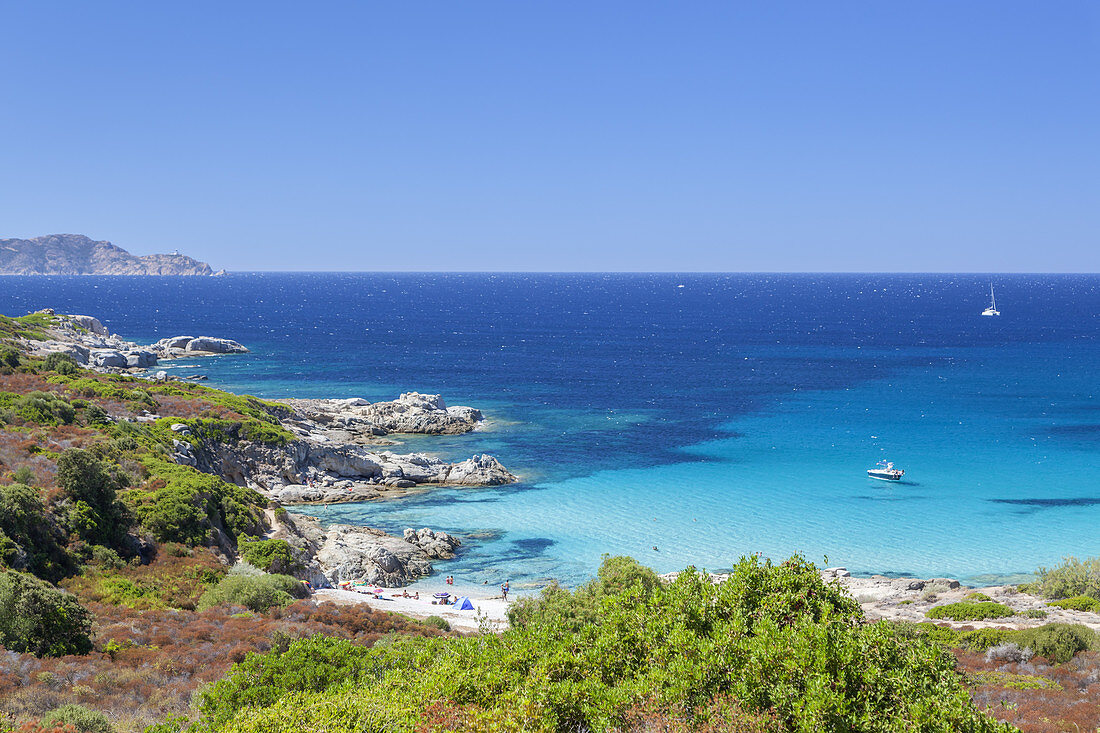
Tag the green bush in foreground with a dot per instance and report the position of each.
(970, 611)
(38, 619)
(255, 590)
(773, 643)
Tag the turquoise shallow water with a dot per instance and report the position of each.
(736, 414)
(1000, 478)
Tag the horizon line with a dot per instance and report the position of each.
(227, 272)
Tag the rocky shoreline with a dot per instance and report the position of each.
(334, 456)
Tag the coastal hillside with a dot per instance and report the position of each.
(75, 254)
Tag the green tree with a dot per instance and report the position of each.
(271, 556)
(94, 513)
(34, 542)
(37, 618)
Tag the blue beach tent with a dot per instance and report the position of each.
(464, 604)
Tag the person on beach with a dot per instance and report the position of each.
(504, 590)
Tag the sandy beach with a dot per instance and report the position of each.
(490, 610)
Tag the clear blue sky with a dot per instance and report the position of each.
(881, 136)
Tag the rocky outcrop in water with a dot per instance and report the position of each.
(88, 341)
(75, 254)
(181, 346)
(350, 420)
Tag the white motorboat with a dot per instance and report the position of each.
(885, 471)
(992, 309)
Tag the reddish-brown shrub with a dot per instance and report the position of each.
(147, 663)
(1070, 702)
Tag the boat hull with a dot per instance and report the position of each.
(885, 475)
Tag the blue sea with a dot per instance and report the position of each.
(686, 419)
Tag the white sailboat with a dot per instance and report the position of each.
(992, 309)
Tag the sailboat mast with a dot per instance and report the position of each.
(992, 297)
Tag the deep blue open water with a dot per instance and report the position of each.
(732, 415)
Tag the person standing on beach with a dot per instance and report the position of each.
(504, 590)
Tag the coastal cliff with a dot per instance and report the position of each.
(75, 254)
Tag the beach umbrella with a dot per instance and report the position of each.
(378, 591)
(442, 595)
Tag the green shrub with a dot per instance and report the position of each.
(105, 558)
(271, 556)
(1078, 603)
(968, 611)
(79, 717)
(24, 475)
(96, 415)
(38, 619)
(44, 408)
(774, 639)
(255, 590)
(437, 622)
(978, 640)
(9, 357)
(61, 363)
(1072, 578)
(1057, 642)
(976, 596)
(1033, 613)
(192, 504)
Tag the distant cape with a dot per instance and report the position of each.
(75, 254)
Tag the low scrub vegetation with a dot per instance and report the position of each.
(253, 589)
(773, 647)
(1078, 603)
(176, 578)
(969, 611)
(1070, 579)
(148, 664)
(188, 505)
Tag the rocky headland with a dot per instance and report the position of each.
(323, 451)
(75, 254)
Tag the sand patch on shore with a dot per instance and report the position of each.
(492, 610)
